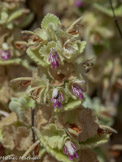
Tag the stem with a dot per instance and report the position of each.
(32, 127)
(32, 124)
(115, 19)
(31, 148)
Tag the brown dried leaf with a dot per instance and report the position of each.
(85, 121)
(23, 138)
(5, 93)
(42, 116)
(88, 156)
(88, 124)
(8, 134)
(63, 72)
(27, 116)
(10, 119)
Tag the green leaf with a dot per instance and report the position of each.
(49, 18)
(16, 14)
(41, 33)
(36, 57)
(10, 62)
(71, 105)
(52, 139)
(81, 45)
(18, 105)
(94, 141)
(27, 20)
(59, 155)
(15, 106)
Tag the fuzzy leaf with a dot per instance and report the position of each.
(60, 156)
(27, 20)
(41, 33)
(8, 134)
(10, 62)
(87, 155)
(82, 46)
(18, 105)
(74, 50)
(85, 119)
(49, 18)
(45, 50)
(71, 105)
(88, 123)
(94, 141)
(42, 116)
(10, 119)
(36, 57)
(53, 137)
(23, 138)
(17, 14)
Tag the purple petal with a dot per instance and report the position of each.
(54, 58)
(77, 91)
(74, 147)
(70, 157)
(61, 97)
(75, 155)
(65, 150)
(5, 54)
(59, 105)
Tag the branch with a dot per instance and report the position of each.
(115, 19)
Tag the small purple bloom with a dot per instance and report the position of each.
(54, 58)
(77, 91)
(5, 54)
(57, 98)
(70, 150)
(78, 3)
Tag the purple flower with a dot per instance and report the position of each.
(77, 91)
(54, 58)
(57, 98)
(70, 150)
(5, 54)
(78, 3)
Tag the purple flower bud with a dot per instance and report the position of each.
(70, 150)
(54, 58)
(57, 98)
(77, 91)
(78, 3)
(5, 54)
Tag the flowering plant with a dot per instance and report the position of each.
(53, 99)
